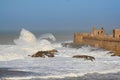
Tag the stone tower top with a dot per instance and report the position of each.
(116, 33)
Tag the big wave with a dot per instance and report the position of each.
(25, 45)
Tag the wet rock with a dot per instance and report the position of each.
(86, 57)
(39, 54)
(43, 54)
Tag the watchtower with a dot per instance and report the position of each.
(78, 38)
(99, 32)
(116, 33)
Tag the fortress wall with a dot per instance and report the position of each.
(78, 38)
(108, 43)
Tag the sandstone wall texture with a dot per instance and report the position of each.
(98, 38)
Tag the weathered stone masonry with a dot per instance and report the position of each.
(99, 38)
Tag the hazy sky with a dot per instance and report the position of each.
(59, 14)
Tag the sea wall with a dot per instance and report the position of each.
(105, 42)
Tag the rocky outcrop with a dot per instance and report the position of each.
(86, 57)
(43, 54)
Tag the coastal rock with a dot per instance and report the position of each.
(42, 54)
(39, 54)
(86, 57)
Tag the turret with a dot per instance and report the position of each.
(116, 33)
(94, 31)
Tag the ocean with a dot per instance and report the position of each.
(15, 64)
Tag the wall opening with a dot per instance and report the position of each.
(98, 33)
(113, 33)
(101, 32)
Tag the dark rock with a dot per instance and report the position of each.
(42, 54)
(86, 57)
(39, 54)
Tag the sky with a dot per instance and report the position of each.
(59, 15)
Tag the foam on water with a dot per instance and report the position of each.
(25, 45)
(48, 36)
(15, 57)
(25, 38)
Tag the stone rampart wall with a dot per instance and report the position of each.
(107, 43)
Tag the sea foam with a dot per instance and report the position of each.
(26, 44)
(25, 38)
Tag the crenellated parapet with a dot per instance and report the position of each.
(99, 38)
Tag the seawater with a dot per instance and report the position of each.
(16, 64)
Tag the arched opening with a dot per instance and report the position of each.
(101, 32)
(98, 33)
(113, 33)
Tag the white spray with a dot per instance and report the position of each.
(26, 44)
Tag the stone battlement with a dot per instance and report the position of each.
(99, 38)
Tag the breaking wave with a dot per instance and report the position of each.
(48, 36)
(25, 45)
(25, 38)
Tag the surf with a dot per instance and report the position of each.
(15, 57)
(26, 44)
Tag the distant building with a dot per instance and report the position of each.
(99, 32)
(99, 38)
